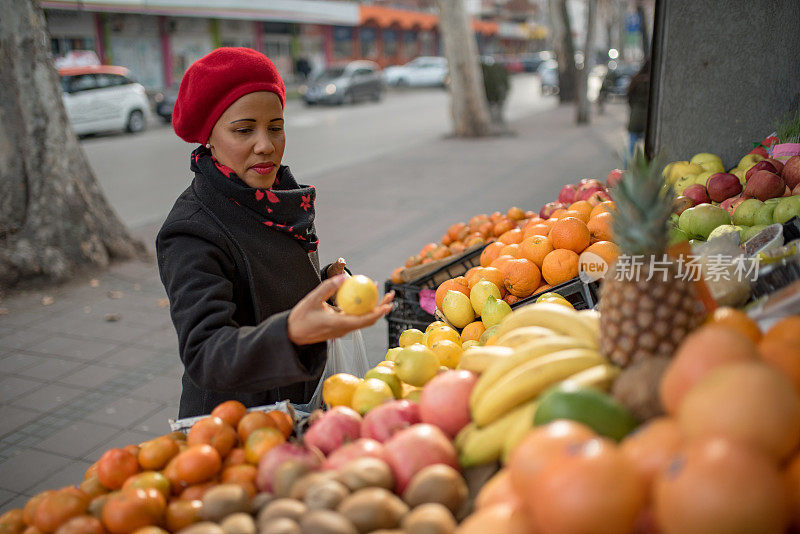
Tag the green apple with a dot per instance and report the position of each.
(387, 375)
(683, 182)
(682, 168)
(676, 235)
(704, 157)
(787, 208)
(726, 229)
(713, 166)
(703, 177)
(749, 160)
(751, 231)
(685, 222)
(746, 212)
(706, 218)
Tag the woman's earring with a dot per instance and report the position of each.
(208, 145)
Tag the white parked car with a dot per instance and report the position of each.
(101, 98)
(419, 72)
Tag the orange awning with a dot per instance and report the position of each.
(385, 17)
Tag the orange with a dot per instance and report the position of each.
(442, 333)
(503, 225)
(570, 233)
(783, 355)
(577, 214)
(512, 236)
(337, 390)
(510, 250)
(501, 261)
(557, 214)
(607, 250)
(515, 213)
(454, 284)
(583, 206)
(493, 275)
(737, 320)
(471, 276)
(601, 227)
(651, 447)
(560, 266)
(522, 277)
(490, 253)
(706, 348)
(550, 223)
(787, 328)
(501, 518)
(535, 248)
(539, 228)
(456, 231)
(497, 490)
(792, 476)
(542, 288)
(605, 206)
(472, 331)
(511, 299)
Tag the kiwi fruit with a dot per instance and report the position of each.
(326, 495)
(431, 518)
(204, 527)
(289, 508)
(326, 522)
(302, 484)
(279, 525)
(437, 483)
(373, 509)
(286, 475)
(239, 523)
(366, 473)
(224, 500)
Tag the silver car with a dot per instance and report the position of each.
(357, 80)
(102, 98)
(425, 71)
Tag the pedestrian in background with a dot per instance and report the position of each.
(638, 101)
(238, 252)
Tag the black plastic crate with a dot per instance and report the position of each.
(581, 295)
(407, 312)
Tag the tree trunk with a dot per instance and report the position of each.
(584, 106)
(469, 108)
(53, 215)
(565, 51)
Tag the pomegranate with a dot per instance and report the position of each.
(276, 456)
(445, 400)
(359, 448)
(336, 427)
(416, 447)
(383, 421)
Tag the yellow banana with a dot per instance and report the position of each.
(484, 445)
(553, 316)
(522, 354)
(478, 359)
(464, 434)
(591, 318)
(515, 434)
(600, 377)
(525, 382)
(520, 336)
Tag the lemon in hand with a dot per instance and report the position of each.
(357, 295)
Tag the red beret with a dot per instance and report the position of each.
(214, 82)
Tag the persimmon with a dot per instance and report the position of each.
(230, 411)
(215, 432)
(81, 524)
(250, 422)
(115, 466)
(235, 457)
(260, 441)
(57, 508)
(93, 487)
(182, 513)
(196, 464)
(125, 511)
(156, 453)
(149, 479)
(197, 491)
(12, 521)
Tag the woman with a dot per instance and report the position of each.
(638, 98)
(237, 253)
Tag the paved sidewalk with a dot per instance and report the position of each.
(94, 364)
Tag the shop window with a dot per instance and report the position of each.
(342, 42)
(410, 43)
(389, 43)
(426, 38)
(369, 43)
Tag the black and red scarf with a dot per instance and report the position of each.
(287, 206)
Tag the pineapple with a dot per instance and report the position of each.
(643, 318)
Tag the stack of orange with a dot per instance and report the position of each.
(161, 481)
(460, 236)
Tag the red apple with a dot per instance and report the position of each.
(760, 150)
(597, 197)
(567, 194)
(274, 457)
(335, 427)
(548, 209)
(764, 185)
(359, 448)
(732, 203)
(586, 193)
(416, 447)
(614, 177)
(681, 204)
(791, 171)
(589, 182)
(722, 186)
(384, 420)
(698, 193)
(762, 165)
(444, 401)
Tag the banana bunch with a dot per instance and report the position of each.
(538, 345)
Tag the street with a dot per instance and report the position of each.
(143, 174)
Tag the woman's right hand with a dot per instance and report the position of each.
(313, 320)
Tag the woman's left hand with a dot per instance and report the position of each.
(313, 320)
(336, 268)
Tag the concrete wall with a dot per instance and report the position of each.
(723, 73)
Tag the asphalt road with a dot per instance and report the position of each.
(143, 174)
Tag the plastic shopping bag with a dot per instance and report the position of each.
(346, 354)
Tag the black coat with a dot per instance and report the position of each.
(231, 283)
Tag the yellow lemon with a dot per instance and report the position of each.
(469, 344)
(413, 395)
(357, 295)
(409, 337)
(493, 312)
(457, 309)
(549, 294)
(435, 324)
(448, 352)
(369, 394)
(562, 301)
(416, 365)
(480, 292)
(386, 363)
(387, 375)
(392, 353)
(337, 390)
(441, 333)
